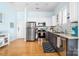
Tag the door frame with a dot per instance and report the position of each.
(23, 25)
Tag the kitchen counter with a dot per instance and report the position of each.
(66, 36)
(64, 42)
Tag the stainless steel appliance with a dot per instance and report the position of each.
(31, 31)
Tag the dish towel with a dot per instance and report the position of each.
(58, 42)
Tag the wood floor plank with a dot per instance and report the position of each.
(21, 48)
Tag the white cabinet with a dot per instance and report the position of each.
(73, 11)
(60, 15)
(64, 18)
(54, 20)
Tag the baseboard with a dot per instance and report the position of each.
(30, 40)
(11, 40)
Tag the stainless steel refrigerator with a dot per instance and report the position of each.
(30, 31)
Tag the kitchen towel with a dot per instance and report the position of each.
(58, 42)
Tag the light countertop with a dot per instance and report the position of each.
(68, 36)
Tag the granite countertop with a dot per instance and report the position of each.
(68, 36)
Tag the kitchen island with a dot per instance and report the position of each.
(64, 43)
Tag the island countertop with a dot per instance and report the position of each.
(68, 36)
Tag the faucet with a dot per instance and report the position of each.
(59, 29)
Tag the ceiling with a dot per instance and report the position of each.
(34, 6)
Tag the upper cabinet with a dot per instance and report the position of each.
(73, 11)
(64, 16)
(54, 20)
(60, 15)
(60, 18)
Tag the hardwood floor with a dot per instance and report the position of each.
(22, 48)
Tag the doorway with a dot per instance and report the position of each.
(21, 31)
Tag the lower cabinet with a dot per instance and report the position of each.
(72, 49)
(52, 39)
(63, 46)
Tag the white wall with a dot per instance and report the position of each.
(40, 17)
(78, 24)
(8, 16)
(21, 23)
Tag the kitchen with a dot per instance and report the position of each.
(53, 26)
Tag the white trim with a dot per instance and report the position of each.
(25, 24)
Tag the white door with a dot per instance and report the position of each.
(20, 29)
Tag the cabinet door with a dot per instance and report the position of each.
(63, 47)
(73, 11)
(60, 17)
(72, 49)
(64, 20)
(54, 20)
(47, 35)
